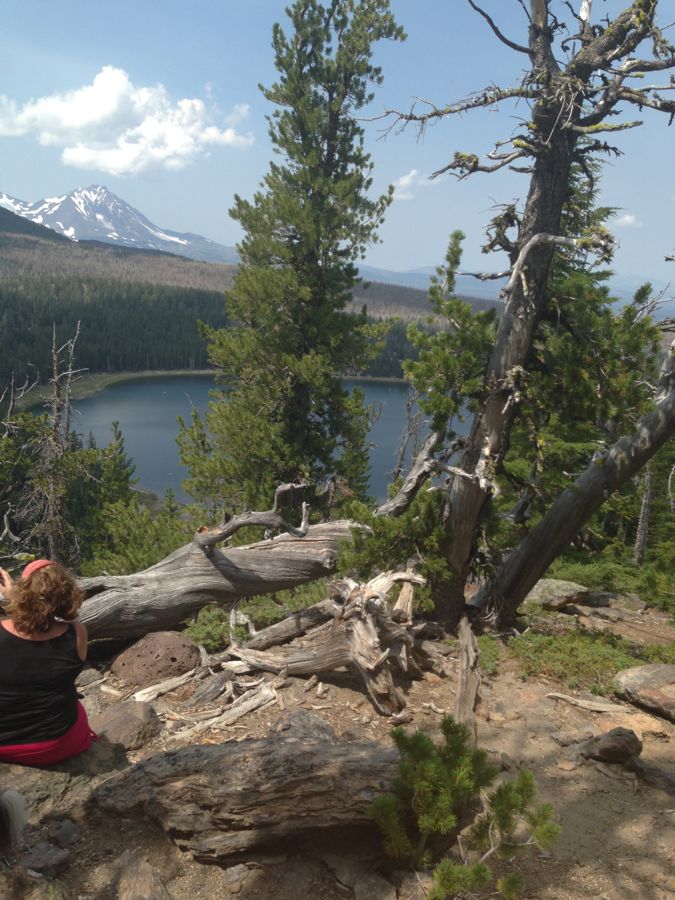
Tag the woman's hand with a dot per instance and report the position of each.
(6, 583)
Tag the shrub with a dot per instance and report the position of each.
(437, 783)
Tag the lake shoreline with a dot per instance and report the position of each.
(90, 385)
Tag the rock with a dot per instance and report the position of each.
(640, 722)
(46, 859)
(364, 883)
(550, 593)
(63, 832)
(87, 676)
(620, 745)
(138, 880)
(566, 738)
(235, 877)
(130, 724)
(53, 790)
(651, 686)
(157, 656)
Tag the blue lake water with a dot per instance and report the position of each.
(147, 410)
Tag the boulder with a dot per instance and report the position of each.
(51, 791)
(620, 745)
(156, 657)
(651, 686)
(46, 859)
(549, 593)
(137, 880)
(130, 724)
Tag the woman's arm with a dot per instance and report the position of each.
(81, 635)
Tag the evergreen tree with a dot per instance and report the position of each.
(283, 413)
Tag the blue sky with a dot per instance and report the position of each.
(184, 78)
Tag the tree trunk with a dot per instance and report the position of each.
(221, 800)
(163, 596)
(525, 300)
(530, 560)
(643, 519)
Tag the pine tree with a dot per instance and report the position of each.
(283, 413)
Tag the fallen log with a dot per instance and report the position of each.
(218, 801)
(163, 596)
(361, 635)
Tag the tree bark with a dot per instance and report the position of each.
(530, 560)
(163, 596)
(220, 801)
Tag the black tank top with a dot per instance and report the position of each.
(38, 700)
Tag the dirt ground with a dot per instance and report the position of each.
(618, 832)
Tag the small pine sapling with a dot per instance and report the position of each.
(437, 784)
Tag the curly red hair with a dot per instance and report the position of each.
(47, 594)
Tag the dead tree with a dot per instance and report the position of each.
(577, 84)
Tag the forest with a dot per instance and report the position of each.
(512, 600)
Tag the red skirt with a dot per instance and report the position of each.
(76, 740)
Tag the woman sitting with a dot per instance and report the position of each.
(42, 652)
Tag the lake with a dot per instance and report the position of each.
(147, 410)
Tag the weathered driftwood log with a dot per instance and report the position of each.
(159, 598)
(360, 635)
(163, 596)
(221, 800)
(469, 679)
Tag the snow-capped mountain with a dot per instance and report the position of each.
(96, 214)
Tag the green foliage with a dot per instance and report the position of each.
(55, 490)
(437, 782)
(124, 326)
(286, 415)
(456, 879)
(489, 653)
(211, 627)
(416, 534)
(451, 357)
(135, 538)
(582, 659)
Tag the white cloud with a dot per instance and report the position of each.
(406, 186)
(113, 126)
(628, 220)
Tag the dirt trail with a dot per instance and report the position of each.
(618, 832)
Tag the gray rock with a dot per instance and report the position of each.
(87, 676)
(651, 686)
(63, 832)
(550, 593)
(157, 656)
(46, 859)
(620, 745)
(359, 877)
(53, 790)
(130, 724)
(566, 738)
(137, 880)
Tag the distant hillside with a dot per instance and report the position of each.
(388, 300)
(11, 223)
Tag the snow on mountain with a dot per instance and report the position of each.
(96, 214)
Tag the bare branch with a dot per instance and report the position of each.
(486, 276)
(599, 243)
(208, 536)
(491, 96)
(597, 129)
(468, 164)
(423, 468)
(500, 35)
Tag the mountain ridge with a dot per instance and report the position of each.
(95, 213)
